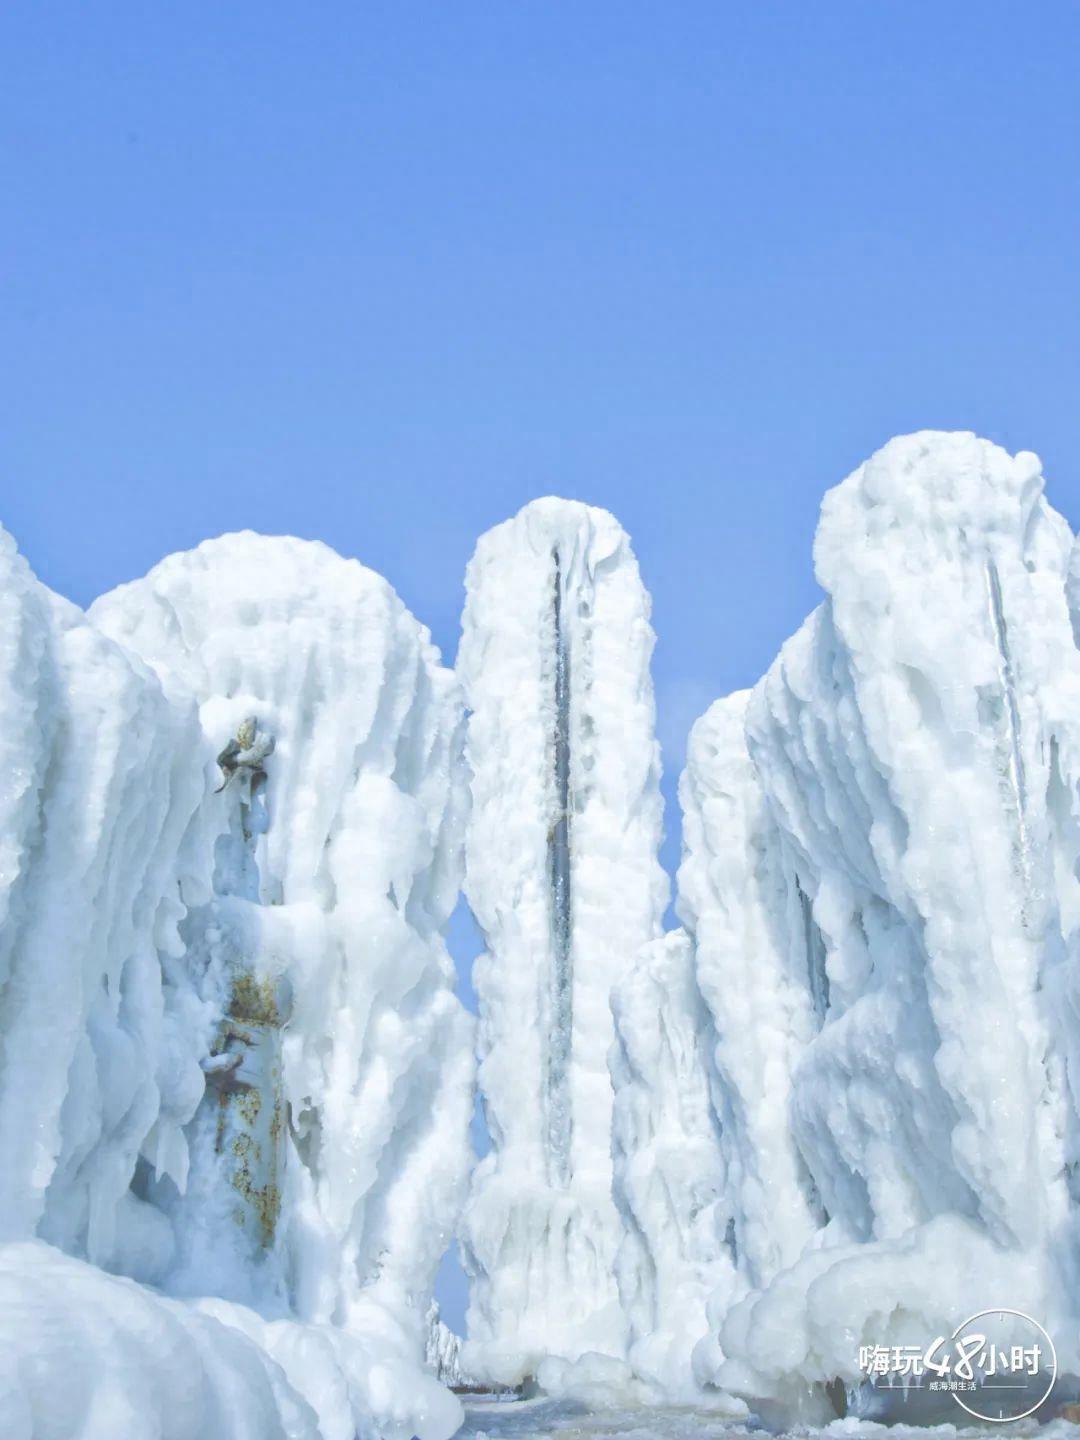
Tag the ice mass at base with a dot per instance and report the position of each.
(836, 1109)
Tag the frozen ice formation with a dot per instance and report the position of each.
(88, 1354)
(739, 899)
(100, 779)
(231, 1061)
(333, 883)
(669, 1174)
(840, 1107)
(442, 1349)
(562, 876)
(880, 880)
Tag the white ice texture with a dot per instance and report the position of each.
(880, 880)
(669, 1175)
(442, 1349)
(841, 1107)
(232, 1067)
(563, 878)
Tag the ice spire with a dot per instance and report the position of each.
(563, 878)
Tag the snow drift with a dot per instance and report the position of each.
(231, 1061)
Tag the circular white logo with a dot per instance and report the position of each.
(1013, 1366)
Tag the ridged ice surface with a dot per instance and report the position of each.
(101, 779)
(839, 1108)
(738, 898)
(881, 882)
(563, 878)
(231, 1061)
(344, 886)
(669, 1172)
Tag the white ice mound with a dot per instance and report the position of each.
(562, 877)
(907, 906)
(90, 1355)
(231, 1061)
(84, 1353)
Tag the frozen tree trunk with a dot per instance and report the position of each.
(563, 879)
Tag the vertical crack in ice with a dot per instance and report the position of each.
(1011, 764)
(559, 1040)
(816, 970)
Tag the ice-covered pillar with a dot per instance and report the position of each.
(343, 1142)
(912, 766)
(909, 741)
(739, 900)
(670, 1177)
(100, 775)
(563, 879)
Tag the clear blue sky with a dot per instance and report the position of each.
(381, 273)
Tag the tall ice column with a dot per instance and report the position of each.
(563, 878)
